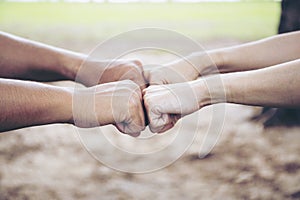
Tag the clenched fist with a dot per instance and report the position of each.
(178, 71)
(117, 103)
(95, 72)
(165, 104)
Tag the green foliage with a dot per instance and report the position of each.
(242, 20)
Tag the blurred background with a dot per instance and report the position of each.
(248, 162)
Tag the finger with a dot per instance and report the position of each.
(137, 123)
(153, 78)
(134, 86)
(152, 89)
(160, 129)
(141, 82)
(154, 129)
(149, 115)
(146, 74)
(135, 76)
(138, 65)
(156, 81)
(171, 124)
(156, 118)
(135, 134)
(133, 70)
(129, 129)
(138, 62)
(171, 121)
(138, 78)
(122, 127)
(166, 127)
(158, 122)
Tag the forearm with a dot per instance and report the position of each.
(254, 55)
(26, 59)
(26, 103)
(276, 86)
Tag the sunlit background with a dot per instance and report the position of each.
(248, 162)
(82, 25)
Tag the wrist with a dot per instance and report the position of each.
(217, 58)
(202, 92)
(62, 104)
(207, 62)
(93, 106)
(70, 63)
(210, 90)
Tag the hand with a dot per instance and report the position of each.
(117, 103)
(165, 104)
(175, 72)
(99, 72)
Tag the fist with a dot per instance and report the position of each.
(96, 72)
(118, 103)
(175, 72)
(165, 104)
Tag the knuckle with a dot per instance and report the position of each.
(134, 102)
(136, 74)
(134, 134)
(148, 102)
(137, 62)
(129, 83)
(134, 65)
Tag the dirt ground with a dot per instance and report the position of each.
(248, 162)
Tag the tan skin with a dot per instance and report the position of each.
(267, 74)
(273, 81)
(26, 103)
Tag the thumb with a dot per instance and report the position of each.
(152, 78)
(172, 121)
(158, 120)
(146, 74)
(136, 122)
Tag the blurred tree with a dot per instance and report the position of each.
(290, 16)
(289, 21)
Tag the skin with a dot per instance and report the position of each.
(274, 80)
(118, 103)
(267, 73)
(29, 60)
(27, 103)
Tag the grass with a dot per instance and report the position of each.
(241, 20)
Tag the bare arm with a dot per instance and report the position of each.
(26, 59)
(276, 86)
(254, 55)
(272, 86)
(27, 103)
(259, 54)
(29, 60)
